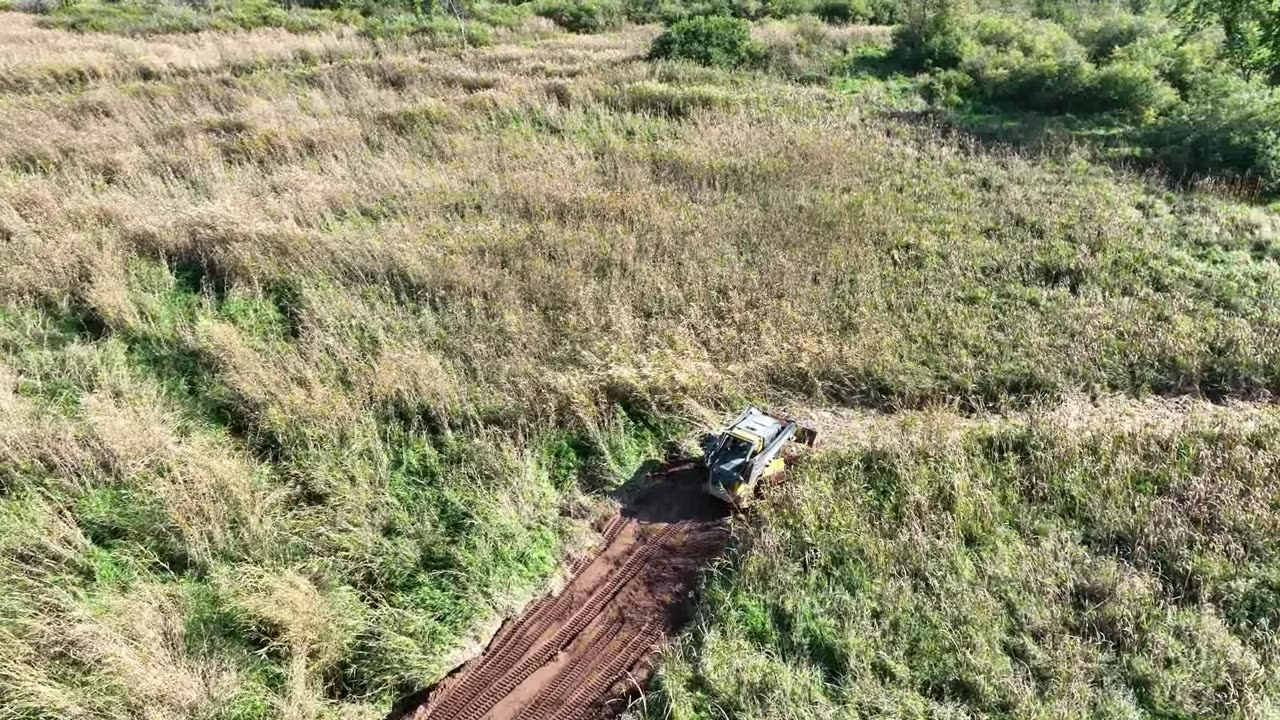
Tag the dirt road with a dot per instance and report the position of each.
(569, 654)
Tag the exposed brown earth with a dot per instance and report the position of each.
(574, 654)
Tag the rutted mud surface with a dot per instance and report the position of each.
(569, 654)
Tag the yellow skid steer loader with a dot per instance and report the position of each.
(746, 450)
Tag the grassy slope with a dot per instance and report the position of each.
(310, 348)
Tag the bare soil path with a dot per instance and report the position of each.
(569, 654)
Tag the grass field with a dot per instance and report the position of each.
(318, 353)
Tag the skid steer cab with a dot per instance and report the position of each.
(747, 450)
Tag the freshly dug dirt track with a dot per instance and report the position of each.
(569, 654)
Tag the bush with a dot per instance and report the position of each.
(499, 15)
(948, 88)
(1023, 61)
(1038, 65)
(1232, 131)
(787, 8)
(843, 12)
(1130, 89)
(1103, 35)
(582, 16)
(653, 11)
(717, 41)
(932, 42)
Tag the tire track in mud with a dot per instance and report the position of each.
(567, 651)
(514, 641)
(598, 684)
(477, 707)
(570, 678)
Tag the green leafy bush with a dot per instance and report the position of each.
(1104, 34)
(787, 8)
(1128, 88)
(1251, 29)
(1231, 130)
(948, 88)
(582, 16)
(1024, 61)
(1182, 62)
(843, 12)
(655, 11)
(1168, 97)
(498, 14)
(1036, 64)
(717, 41)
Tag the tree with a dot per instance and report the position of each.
(1252, 29)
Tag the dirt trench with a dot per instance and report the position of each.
(575, 654)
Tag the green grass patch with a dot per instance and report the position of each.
(1002, 570)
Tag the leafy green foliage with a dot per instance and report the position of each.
(1233, 129)
(842, 11)
(717, 41)
(1038, 64)
(442, 29)
(1165, 98)
(1252, 29)
(582, 16)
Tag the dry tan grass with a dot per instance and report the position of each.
(139, 637)
(33, 57)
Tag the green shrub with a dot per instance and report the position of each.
(1036, 64)
(948, 88)
(581, 16)
(677, 10)
(655, 11)
(498, 14)
(884, 12)
(843, 12)
(1130, 89)
(787, 8)
(717, 41)
(1103, 35)
(1180, 61)
(1024, 61)
(936, 44)
(1233, 131)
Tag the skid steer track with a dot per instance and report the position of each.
(569, 654)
